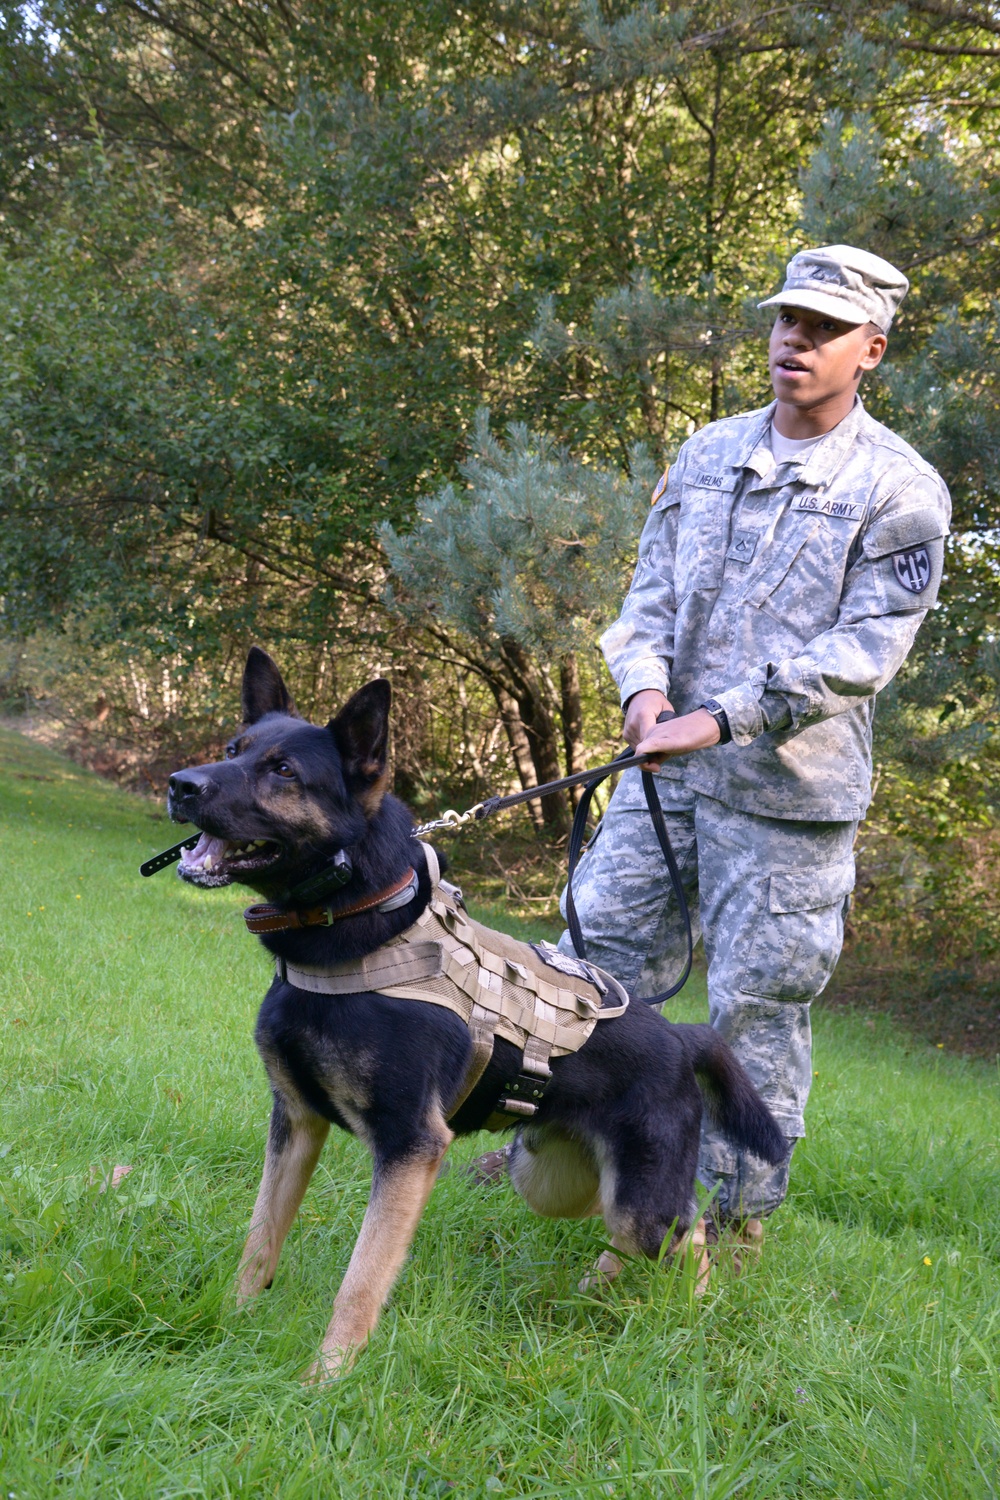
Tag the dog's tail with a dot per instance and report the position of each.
(733, 1104)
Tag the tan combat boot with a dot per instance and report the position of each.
(490, 1169)
(742, 1238)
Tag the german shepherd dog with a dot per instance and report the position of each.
(618, 1128)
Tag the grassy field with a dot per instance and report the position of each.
(861, 1358)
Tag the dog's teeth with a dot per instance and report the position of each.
(208, 862)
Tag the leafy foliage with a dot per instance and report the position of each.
(261, 265)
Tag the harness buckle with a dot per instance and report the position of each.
(526, 1092)
(507, 1106)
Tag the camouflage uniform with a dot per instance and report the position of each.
(791, 595)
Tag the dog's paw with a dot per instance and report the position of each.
(608, 1267)
(330, 1365)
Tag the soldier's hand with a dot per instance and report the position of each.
(641, 714)
(695, 731)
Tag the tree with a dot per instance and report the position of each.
(512, 573)
(262, 264)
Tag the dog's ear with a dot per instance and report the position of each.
(264, 690)
(361, 732)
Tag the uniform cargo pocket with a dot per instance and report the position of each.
(800, 934)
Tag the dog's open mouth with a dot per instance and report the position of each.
(215, 861)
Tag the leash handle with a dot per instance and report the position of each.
(576, 841)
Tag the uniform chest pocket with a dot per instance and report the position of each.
(701, 547)
(800, 583)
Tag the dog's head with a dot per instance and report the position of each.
(288, 794)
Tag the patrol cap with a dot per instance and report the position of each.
(843, 282)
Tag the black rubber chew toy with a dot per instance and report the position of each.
(168, 856)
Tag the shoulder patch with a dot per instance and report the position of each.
(661, 486)
(912, 569)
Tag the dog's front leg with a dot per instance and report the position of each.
(294, 1142)
(400, 1190)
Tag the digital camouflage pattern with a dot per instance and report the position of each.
(790, 594)
(768, 895)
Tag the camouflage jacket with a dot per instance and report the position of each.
(790, 594)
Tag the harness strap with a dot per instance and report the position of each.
(482, 1030)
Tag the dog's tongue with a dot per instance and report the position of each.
(206, 854)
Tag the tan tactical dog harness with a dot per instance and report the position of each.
(530, 994)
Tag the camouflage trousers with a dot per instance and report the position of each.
(768, 896)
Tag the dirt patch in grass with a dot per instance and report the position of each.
(956, 1007)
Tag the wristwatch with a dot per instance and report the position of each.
(718, 713)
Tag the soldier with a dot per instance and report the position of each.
(787, 562)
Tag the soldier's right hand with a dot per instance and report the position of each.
(641, 713)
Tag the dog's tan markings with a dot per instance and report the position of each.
(287, 1172)
(343, 1074)
(399, 1196)
(693, 1244)
(371, 800)
(294, 811)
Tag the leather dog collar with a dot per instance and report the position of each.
(267, 918)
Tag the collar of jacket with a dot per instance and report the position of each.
(823, 462)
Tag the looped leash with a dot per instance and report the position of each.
(576, 841)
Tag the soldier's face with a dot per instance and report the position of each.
(814, 358)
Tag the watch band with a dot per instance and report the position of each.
(718, 713)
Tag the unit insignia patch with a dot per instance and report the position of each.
(912, 569)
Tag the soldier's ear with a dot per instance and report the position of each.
(264, 690)
(361, 734)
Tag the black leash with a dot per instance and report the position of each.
(576, 840)
(167, 856)
(592, 779)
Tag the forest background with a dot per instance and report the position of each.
(364, 331)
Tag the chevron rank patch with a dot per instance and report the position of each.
(912, 569)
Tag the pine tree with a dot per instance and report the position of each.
(512, 572)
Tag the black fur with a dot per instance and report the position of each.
(628, 1104)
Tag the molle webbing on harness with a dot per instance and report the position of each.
(499, 987)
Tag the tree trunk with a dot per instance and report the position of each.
(519, 748)
(572, 720)
(540, 727)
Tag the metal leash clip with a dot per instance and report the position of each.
(449, 820)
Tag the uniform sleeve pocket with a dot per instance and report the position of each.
(913, 528)
(799, 936)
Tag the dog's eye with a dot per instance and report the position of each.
(284, 769)
(230, 752)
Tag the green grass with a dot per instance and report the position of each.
(860, 1359)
